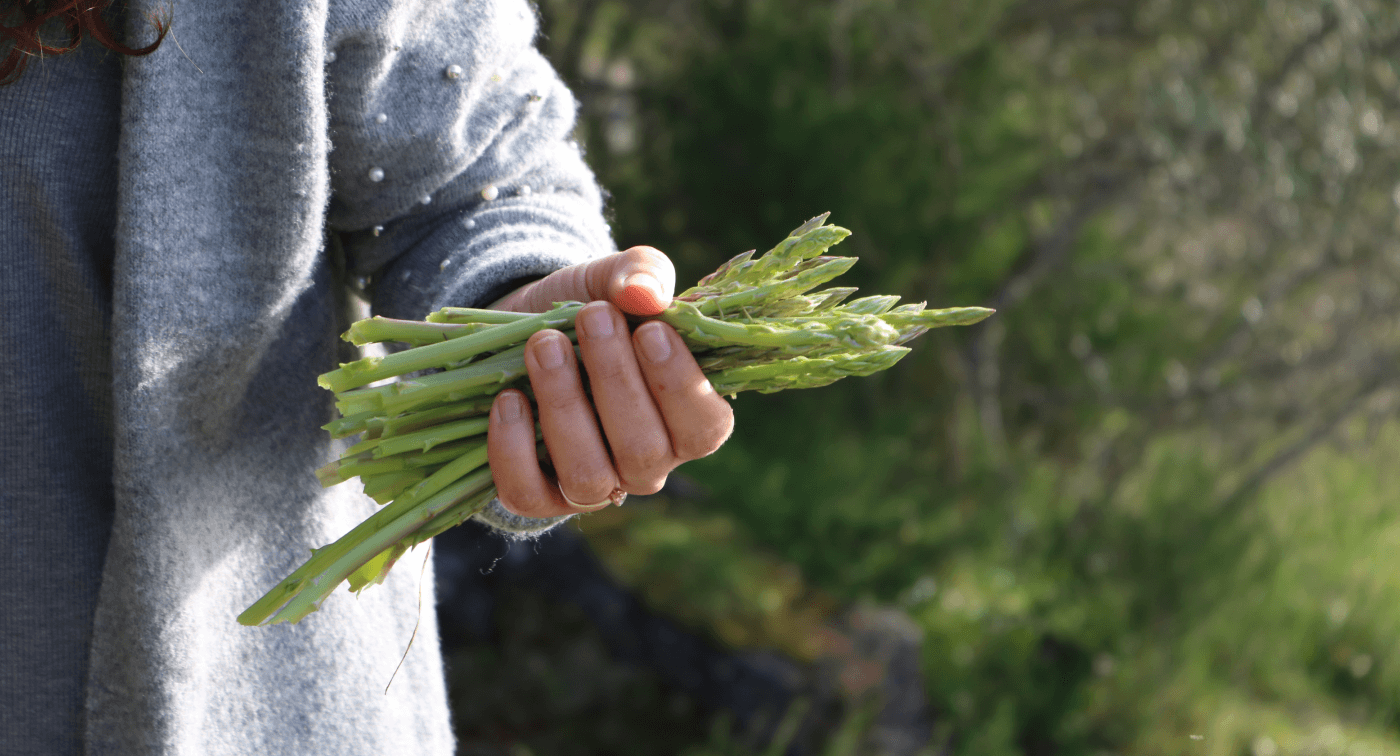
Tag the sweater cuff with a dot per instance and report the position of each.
(497, 516)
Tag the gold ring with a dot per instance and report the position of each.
(616, 497)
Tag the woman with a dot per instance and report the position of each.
(178, 229)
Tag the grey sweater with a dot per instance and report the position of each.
(280, 150)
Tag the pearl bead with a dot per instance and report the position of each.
(453, 71)
(490, 193)
(376, 175)
(427, 199)
(469, 223)
(330, 56)
(381, 118)
(525, 191)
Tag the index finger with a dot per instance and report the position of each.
(639, 281)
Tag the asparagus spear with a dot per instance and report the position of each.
(370, 369)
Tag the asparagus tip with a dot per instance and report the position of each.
(811, 224)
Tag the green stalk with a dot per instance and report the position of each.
(473, 315)
(952, 316)
(352, 424)
(721, 360)
(804, 372)
(450, 385)
(698, 329)
(323, 581)
(383, 488)
(259, 612)
(475, 457)
(794, 335)
(428, 418)
(416, 332)
(367, 444)
(370, 369)
(455, 515)
(425, 440)
(343, 470)
(486, 377)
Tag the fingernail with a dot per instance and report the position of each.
(641, 294)
(550, 352)
(653, 342)
(508, 407)
(597, 321)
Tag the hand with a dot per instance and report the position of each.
(651, 408)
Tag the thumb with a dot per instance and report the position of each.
(639, 281)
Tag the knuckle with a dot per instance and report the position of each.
(587, 485)
(598, 306)
(583, 279)
(645, 255)
(704, 441)
(592, 279)
(693, 446)
(604, 371)
(523, 503)
(644, 486)
(647, 453)
(557, 401)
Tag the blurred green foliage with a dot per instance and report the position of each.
(1150, 506)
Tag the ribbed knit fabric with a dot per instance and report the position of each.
(280, 151)
(58, 182)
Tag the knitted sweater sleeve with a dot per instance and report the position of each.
(454, 176)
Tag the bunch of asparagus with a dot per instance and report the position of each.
(752, 325)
